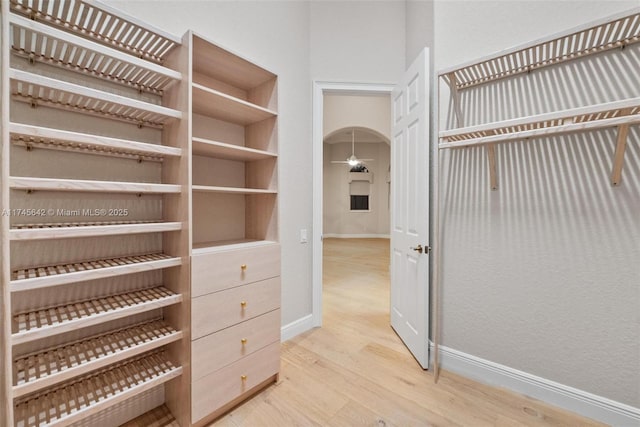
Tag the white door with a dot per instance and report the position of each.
(410, 209)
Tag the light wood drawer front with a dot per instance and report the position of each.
(223, 270)
(213, 312)
(213, 391)
(215, 351)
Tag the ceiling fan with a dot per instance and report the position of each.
(352, 160)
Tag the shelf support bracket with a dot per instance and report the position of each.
(455, 96)
(493, 177)
(618, 158)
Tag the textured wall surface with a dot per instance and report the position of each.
(542, 274)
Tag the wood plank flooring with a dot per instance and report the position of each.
(354, 371)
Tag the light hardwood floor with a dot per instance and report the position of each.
(354, 371)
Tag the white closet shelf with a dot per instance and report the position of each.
(26, 279)
(79, 185)
(593, 117)
(225, 245)
(212, 103)
(159, 416)
(46, 368)
(613, 32)
(221, 150)
(87, 229)
(40, 90)
(102, 24)
(74, 401)
(39, 42)
(230, 190)
(55, 139)
(230, 68)
(43, 323)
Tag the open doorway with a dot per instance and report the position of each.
(351, 119)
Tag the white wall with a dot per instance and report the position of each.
(357, 41)
(366, 111)
(337, 217)
(542, 275)
(419, 28)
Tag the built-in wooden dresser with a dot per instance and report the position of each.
(235, 325)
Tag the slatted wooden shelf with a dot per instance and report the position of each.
(39, 90)
(157, 417)
(221, 150)
(102, 24)
(76, 400)
(26, 279)
(34, 137)
(44, 369)
(212, 103)
(575, 120)
(230, 190)
(88, 229)
(41, 323)
(39, 42)
(614, 32)
(78, 185)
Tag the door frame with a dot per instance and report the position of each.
(320, 88)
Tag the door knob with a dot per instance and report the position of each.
(417, 248)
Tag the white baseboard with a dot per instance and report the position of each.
(356, 236)
(296, 327)
(569, 398)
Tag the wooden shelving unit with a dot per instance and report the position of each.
(614, 32)
(91, 229)
(221, 150)
(617, 31)
(43, 369)
(48, 321)
(36, 137)
(234, 146)
(30, 278)
(232, 131)
(89, 395)
(95, 296)
(78, 54)
(37, 90)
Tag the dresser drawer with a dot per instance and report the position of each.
(215, 351)
(222, 270)
(221, 387)
(213, 312)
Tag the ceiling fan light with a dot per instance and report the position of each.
(353, 162)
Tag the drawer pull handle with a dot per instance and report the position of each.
(243, 267)
(243, 304)
(243, 377)
(243, 341)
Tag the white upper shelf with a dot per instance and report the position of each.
(221, 150)
(42, 137)
(103, 24)
(213, 103)
(574, 120)
(613, 32)
(38, 89)
(39, 42)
